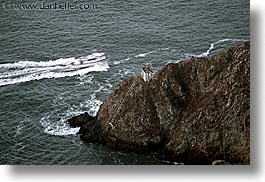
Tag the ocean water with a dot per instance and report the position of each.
(42, 83)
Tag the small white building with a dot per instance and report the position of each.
(146, 72)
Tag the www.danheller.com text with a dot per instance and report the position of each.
(50, 6)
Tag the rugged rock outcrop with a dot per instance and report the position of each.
(196, 111)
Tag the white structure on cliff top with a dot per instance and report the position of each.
(146, 72)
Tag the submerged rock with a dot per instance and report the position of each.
(194, 112)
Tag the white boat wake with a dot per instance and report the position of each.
(24, 71)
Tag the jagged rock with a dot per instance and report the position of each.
(78, 121)
(217, 123)
(194, 112)
(92, 131)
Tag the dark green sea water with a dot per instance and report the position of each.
(40, 89)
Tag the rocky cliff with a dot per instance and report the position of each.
(196, 111)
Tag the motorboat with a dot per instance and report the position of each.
(93, 58)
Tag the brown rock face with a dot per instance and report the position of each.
(196, 111)
(129, 117)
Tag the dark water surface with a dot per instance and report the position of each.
(40, 87)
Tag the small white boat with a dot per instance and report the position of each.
(88, 61)
(93, 58)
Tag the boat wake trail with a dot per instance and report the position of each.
(24, 71)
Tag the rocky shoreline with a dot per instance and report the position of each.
(193, 112)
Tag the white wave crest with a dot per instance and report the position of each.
(120, 61)
(142, 55)
(24, 71)
(59, 127)
(212, 46)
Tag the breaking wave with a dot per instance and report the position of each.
(55, 123)
(212, 46)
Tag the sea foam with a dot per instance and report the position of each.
(58, 126)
